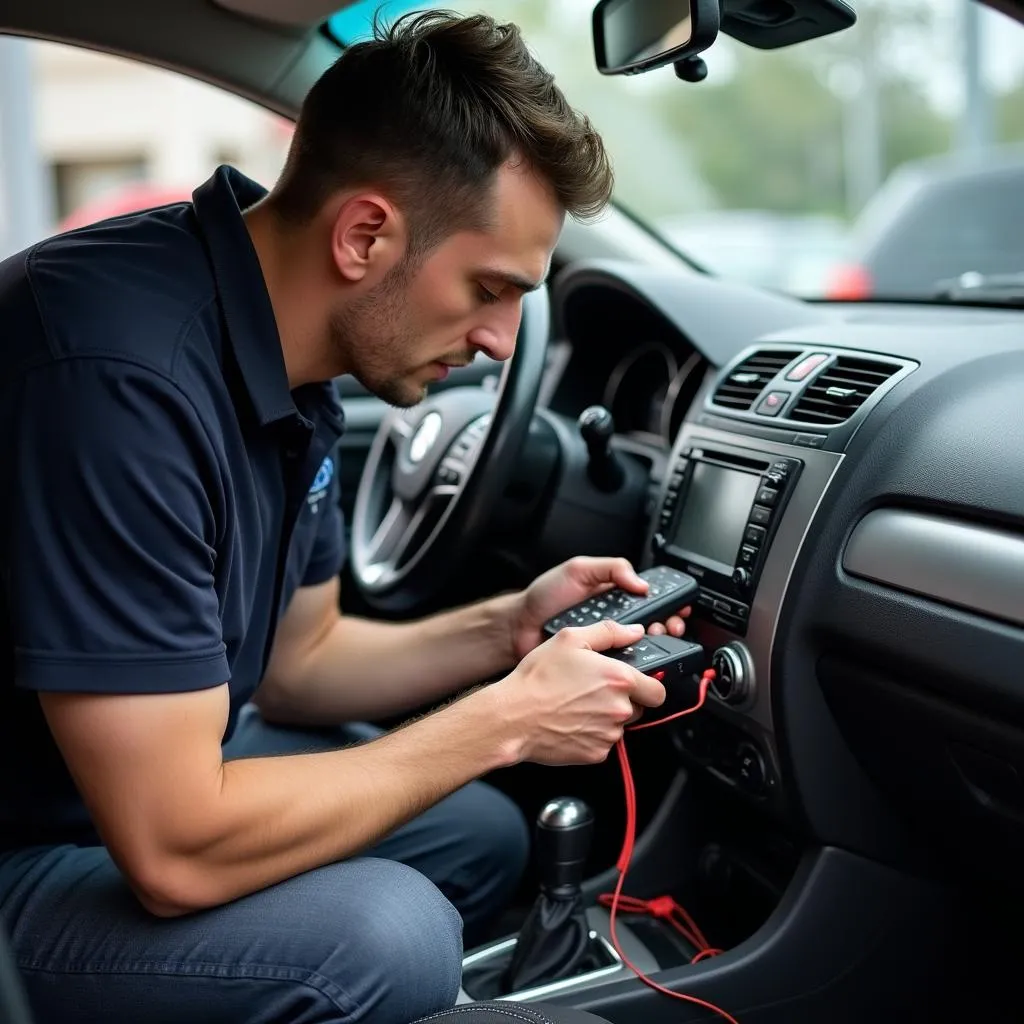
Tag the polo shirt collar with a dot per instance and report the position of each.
(244, 300)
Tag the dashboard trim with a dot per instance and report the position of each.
(965, 565)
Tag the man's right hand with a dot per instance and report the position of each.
(567, 703)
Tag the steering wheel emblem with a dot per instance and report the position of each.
(425, 436)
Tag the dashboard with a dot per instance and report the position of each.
(846, 482)
(626, 356)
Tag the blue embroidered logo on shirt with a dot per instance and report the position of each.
(321, 482)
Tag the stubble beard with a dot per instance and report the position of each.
(375, 337)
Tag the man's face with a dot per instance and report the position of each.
(463, 297)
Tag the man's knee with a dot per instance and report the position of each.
(368, 940)
(401, 955)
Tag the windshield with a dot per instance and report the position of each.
(877, 162)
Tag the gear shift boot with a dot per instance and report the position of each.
(486, 973)
(555, 942)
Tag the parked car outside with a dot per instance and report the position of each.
(933, 221)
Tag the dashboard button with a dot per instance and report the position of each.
(755, 534)
(809, 440)
(760, 515)
(767, 496)
(750, 768)
(728, 622)
(807, 366)
(733, 681)
(741, 577)
(725, 677)
(748, 555)
(736, 609)
(772, 403)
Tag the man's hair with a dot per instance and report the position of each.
(427, 111)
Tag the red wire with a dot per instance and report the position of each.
(662, 906)
(705, 682)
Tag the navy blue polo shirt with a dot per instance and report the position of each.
(163, 491)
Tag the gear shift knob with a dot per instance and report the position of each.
(597, 427)
(565, 827)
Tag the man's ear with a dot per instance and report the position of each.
(368, 237)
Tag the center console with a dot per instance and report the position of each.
(732, 511)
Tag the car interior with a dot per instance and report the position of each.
(844, 816)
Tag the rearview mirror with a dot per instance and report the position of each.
(631, 36)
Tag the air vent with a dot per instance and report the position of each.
(837, 393)
(740, 389)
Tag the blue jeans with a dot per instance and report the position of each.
(376, 939)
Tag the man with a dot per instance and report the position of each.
(167, 411)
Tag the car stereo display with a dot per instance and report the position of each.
(714, 515)
(718, 516)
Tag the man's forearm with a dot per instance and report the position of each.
(361, 669)
(268, 819)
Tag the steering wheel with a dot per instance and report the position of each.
(435, 472)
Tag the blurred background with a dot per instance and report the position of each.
(876, 162)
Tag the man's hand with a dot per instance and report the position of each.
(566, 703)
(568, 584)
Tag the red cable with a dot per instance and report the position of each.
(662, 906)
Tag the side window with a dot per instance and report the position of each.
(86, 135)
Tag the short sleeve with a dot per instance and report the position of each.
(328, 552)
(113, 534)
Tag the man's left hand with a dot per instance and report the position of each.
(569, 583)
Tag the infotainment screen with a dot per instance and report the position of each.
(714, 515)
